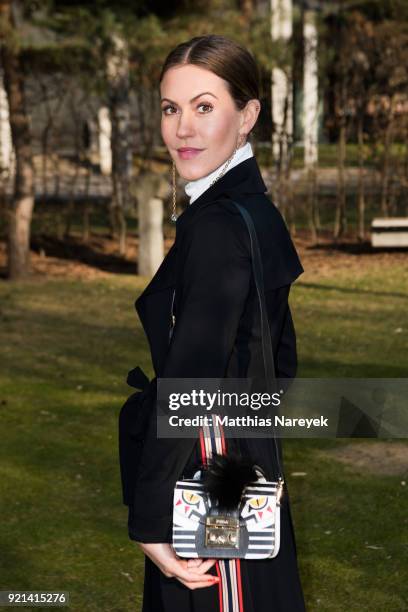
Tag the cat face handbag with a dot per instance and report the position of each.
(205, 526)
(229, 510)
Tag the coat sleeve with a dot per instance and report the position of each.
(282, 332)
(214, 287)
(287, 353)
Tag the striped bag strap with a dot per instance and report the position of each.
(212, 441)
(230, 591)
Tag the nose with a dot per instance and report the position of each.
(185, 126)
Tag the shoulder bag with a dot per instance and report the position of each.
(251, 529)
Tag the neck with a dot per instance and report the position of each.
(195, 188)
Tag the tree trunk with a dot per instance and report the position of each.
(118, 75)
(282, 94)
(311, 204)
(310, 89)
(340, 219)
(361, 189)
(21, 209)
(340, 222)
(86, 222)
(105, 150)
(6, 146)
(385, 170)
(405, 171)
(282, 104)
(310, 115)
(247, 9)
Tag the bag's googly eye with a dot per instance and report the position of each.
(189, 497)
(257, 503)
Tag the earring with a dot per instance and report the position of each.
(174, 214)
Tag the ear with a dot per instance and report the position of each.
(249, 116)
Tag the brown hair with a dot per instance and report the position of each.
(225, 58)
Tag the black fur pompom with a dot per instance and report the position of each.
(226, 477)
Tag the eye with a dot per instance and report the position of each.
(209, 107)
(166, 108)
(191, 498)
(258, 502)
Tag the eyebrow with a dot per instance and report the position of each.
(192, 99)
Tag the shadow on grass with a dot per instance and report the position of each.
(355, 248)
(15, 565)
(73, 249)
(351, 290)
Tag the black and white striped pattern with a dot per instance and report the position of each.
(259, 514)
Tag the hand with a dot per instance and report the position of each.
(190, 572)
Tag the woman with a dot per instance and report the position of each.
(210, 104)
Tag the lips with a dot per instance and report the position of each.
(188, 152)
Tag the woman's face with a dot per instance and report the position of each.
(200, 124)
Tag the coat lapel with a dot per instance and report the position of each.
(243, 179)
(154, 308)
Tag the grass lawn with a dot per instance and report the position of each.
(65, 349)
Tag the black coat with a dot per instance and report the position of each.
(217, 334)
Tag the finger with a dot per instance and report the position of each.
(198, 585)
(193, 576)
(185, 563)
(194, 562)
(191, 564)
(205, 566)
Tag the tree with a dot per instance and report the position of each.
(282, 94)
(282, 98)
(6, 145)
(21, 209)
(310, 111)
(117, 71)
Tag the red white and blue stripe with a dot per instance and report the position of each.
(212, 440)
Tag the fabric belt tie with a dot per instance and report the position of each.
(137, 378)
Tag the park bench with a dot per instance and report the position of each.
(389, 232)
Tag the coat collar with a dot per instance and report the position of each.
(242, 179)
